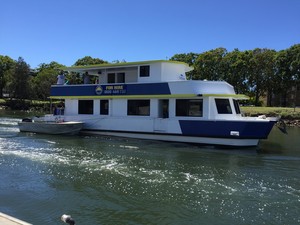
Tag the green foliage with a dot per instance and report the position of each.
(6, 64)
(188, 58)
(46, 76)
(236, 71)
(287, 73)
(88, 60)
(256, 73)
(262, 69)
(18, 80)
(210, 65)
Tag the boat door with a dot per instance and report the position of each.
(160, 123)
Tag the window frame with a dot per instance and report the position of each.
(134, 107)
(120, 77)
(111, 78)
(103, 110)
(222, 106)
(145, 71)
(184, 107)
(236, 106)
(84, 108)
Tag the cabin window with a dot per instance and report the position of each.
(120, 77)
(189, 107)
(144, 71)
(138, 107)
(223, 106)
(111, 78)
(104, 106)
(85, 107)
(115, 78)
(236, 106)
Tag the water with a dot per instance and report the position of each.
(103, 180)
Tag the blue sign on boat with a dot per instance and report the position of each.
(119, 89)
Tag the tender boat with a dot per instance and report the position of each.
(154, 100)
(50, 127)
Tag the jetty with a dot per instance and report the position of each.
(9, 220)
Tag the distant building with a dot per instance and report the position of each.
(289, 99)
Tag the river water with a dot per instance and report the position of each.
(105, 180)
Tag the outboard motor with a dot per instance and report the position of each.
(68, 219)
(282, 126)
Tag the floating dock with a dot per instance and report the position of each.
(9, 220)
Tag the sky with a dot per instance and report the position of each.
(42, 31)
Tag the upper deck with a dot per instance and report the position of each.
(136, 72)
(157, 79)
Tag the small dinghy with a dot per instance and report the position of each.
(45, 127)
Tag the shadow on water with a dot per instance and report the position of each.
(280, 143)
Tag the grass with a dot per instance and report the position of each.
(285, 113)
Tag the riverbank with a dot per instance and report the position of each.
(290, 116)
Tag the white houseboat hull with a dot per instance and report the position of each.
(226, 133)
(180, 138)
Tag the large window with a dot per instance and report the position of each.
(189, 107)
(115, 78)
(85, 107)
(223, 106)
(138, 107)
(144, 71)
(104, 106)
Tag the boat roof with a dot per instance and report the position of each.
(123, 64)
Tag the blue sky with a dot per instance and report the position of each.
(64, 31)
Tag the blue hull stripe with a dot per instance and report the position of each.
(222, 129)
(109, 90)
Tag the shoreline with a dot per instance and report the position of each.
(292, 122)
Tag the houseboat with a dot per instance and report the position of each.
(154, 100)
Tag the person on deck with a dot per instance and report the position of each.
(86, 78)
(61, 78)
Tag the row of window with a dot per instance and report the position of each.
(184, 107)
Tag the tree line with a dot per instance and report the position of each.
(256, 73)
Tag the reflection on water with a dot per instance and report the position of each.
(105, 180)
(280, 142)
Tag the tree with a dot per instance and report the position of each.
(262, 69)
(295, 68)
(45, 77)
(188, 58)
(287, 72)
(6, 64)
(209, 65)
(18, 83)
(236, 71)
(88, 60)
